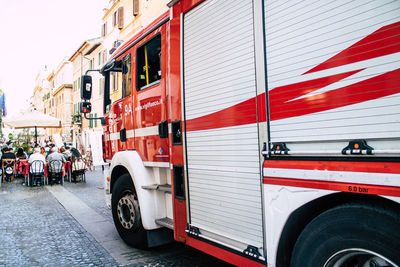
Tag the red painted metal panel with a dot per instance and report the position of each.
(222, 254)
(336, 186)
(347, 166)
(179, 206)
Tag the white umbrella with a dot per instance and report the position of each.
(34, 119)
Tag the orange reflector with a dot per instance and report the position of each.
(108, 179)
(356, 145)
(182, 239)
(278, 147)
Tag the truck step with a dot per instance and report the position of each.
(160, 187)
(166, 222)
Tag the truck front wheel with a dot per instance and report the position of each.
(126, 213)
(350, 235)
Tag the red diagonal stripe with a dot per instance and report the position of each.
(373, 88)
(384, 41)
(292, 91)
(245, 112)
(242, 113)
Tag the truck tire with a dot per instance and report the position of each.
(126, 213)
(353, 234)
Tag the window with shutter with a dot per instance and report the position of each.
(104, 56)
(114, 19)
(91, 121)
(135, 7)
(104, 29)
(120, 17)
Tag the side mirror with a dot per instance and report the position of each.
(86, 107)
(86, 87)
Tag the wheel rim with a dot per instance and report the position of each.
(357, 257)
(126, 211)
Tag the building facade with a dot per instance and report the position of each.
(61, 95)
(57, 93)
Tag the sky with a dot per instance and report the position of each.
(39, 33)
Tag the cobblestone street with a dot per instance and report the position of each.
(71, 226)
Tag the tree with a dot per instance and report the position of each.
(23, 139)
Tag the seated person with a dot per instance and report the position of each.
(63, 152)
(68, 152)
(21, 154)
(55, 155)
(8, 154)
(78, 168)
(43, 151)
(36, 156)
(55, 167)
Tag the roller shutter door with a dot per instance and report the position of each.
(223, 164)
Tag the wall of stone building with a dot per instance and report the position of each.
(131, 23)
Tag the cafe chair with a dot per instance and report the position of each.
(78, 170)
(55, 172)
(8, 170)
(36, 173)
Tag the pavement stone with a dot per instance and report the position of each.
(36, 230)
(174, 254)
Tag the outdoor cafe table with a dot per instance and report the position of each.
(66, 168)
(22, 167)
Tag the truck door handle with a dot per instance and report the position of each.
(176, 132)
(163, 129)
(122, 135)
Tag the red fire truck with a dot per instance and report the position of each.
(260, 132)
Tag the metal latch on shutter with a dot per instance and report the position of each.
(192, 230)
(357, 147)
(279, 149)
(252, 251)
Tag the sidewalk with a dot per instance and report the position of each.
(36, 231)
(86, 203)
(70, 225)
